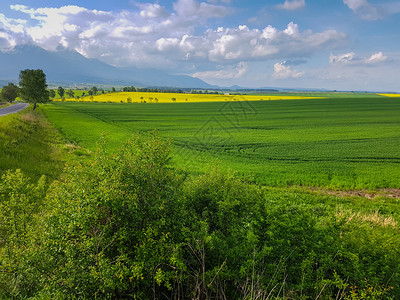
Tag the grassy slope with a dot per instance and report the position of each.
(337, 142)
(30, 143)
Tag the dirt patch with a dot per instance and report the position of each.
(388, 192)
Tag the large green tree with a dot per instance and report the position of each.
(9, 92)
(33, 86)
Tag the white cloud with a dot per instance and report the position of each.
(365, 9)
(344, 58)
(243, 43)
(12, 32)
(363, 73)
(352, 58)
(281, 71)
(376, 58)
(152, 10)
(229, 72)
(292, 5)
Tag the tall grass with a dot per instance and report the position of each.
(30, 143)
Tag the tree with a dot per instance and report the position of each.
(70, 93)
(95, 90)
(52, 93)
(33, 87)
(9, 92)
(61, 91)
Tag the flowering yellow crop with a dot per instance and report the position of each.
(144, 97)
(390, 95)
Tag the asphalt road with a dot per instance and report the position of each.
(12, 109)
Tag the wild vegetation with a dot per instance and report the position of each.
(30, 143)
(130, 225)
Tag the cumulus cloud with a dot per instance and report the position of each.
(343, 58)
(282, 71)
(365, 9)
(376, 58)
(242, 43)
(229, 72)
(152, 10)
(352, 58)
(152, 36)
(292, 5)
(12, 32)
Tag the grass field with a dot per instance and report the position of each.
(349, 143)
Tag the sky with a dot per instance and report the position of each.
(322, 44)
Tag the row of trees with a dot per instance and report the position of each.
(165, 90)
(151, 90)
(33, 89)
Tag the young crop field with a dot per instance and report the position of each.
(349, 143)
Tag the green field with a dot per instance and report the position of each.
(344, 143)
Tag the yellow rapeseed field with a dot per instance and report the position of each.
(144, 97)
(390, 95)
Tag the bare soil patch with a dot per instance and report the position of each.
(387, 192)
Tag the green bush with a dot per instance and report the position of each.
(20, 201)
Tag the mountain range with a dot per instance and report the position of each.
(70, 67)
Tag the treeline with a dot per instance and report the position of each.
(76, 93)
(151, 90)
(130, 225)
(166, 90)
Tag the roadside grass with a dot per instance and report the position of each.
(28, 141)
(339, 143)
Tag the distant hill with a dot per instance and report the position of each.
(70, 67)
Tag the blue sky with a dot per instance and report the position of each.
(332, 44)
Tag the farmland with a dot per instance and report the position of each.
(246, 190)
(340, 143)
